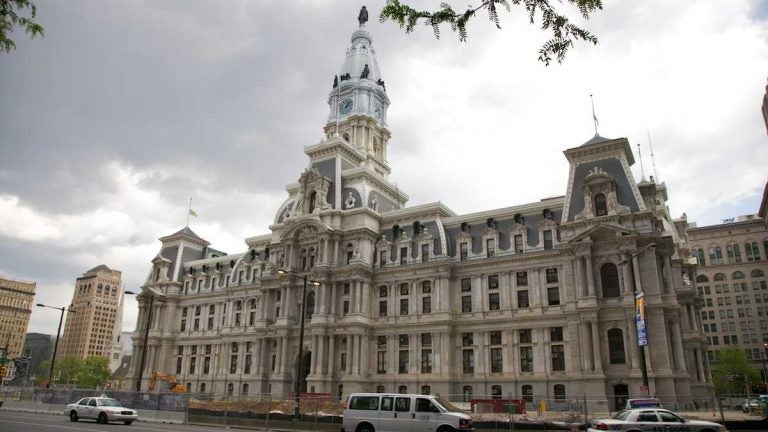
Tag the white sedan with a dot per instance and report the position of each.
(101, 409)
(652, 420)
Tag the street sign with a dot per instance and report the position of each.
(644, 389)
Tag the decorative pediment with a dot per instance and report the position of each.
(603, 231)
(404, 239)
(518, 228)
(313, 193)
(425, 236)
(463, 235)
(490, 231)
(383, 242)
(547, 224)
(600, 199)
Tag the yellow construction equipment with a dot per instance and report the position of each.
(173, 384)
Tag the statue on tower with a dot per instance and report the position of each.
(362, 18)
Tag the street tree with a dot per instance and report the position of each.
(732, 372)
(91, 372)
(563, 31)
(12, 14)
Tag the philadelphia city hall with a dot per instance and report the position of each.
(535, 301)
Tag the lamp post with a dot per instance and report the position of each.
(299, 378)
(56, 344)
(764, 356)
(146, 337)
(640, 311)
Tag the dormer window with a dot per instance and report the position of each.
(601, 207)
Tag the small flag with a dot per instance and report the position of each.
(594, 117)
(192, 212)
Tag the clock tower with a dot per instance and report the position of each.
(358, 103)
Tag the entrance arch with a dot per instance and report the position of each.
(620, 396)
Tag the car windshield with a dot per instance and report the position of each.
(445, 405)
(109, 402)
(621, 415)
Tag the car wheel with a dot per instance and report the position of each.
(446, 429)
(73, 416)
(127, 422)
(102, 418)
(365, 427)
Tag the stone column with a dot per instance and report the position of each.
(353, 296)
(313, 358)
(363, 364)
(596, 347)
(678, 346)
(627, 276)
(590, 276)
(634, 352)
(577, 277)
(586, 347)
(350, 354)
(331, 355)
(366, 299)
(320, 353)
(668, 273)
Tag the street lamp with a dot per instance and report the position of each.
(56, 344)
(299, 378)
(151, 294)
(643, 365)
(764, 356)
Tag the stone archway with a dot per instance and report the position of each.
(620, 396)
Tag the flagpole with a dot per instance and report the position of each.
(189, 210)
(594, 117)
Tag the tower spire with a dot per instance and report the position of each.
(653, 161)
(640, 156)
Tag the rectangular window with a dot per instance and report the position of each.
(343, 362)
(493, 301)
(233, 364)
(522, 278)
(426, 339)
(248, 360)
(381, 341)
(466, 285)
(495, 337)
(468, 361)
(206, 365)
(526, 359)
(525, 335)
(493, 282)
(382, 258)
(426, 361)
(178, 365)
(496, 361)
(467, 339)
(490, 246)
(381, 362)
(402, 362)
(424, 253)
(403, 340)
(404, 289)
(346, 289)
(558, 358)
(553, 296)
(183, 325)
(404, 255)
(463, 252)
(548, 240)
(382, 308)
(556, 334)
(522, 299)
(345, 307)
(466, 303)
(518, 243)
(551, 275)
(196, 324)
(426, 305)
(403, 306)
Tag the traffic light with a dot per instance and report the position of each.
(2, 370)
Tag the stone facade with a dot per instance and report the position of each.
(733, 264)
(16, 301)
(94, 328)
(534, 300)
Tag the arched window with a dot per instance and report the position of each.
(700, 257)
(496, 392)
(719, 277)
(559, 391)
(403, 389)
(310, 309)
(238, 305)
(312, 201)
(601, 208)
(404, 289)
(230, 388)
(379, 389)
(383, 292)
(467, 392)
(702, 278)
(757, 273)
(245, 389)
(528, 393)
(616, 346)
(609, 279)
(202, 387)
(425, 390)
(738, 275)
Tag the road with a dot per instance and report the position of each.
(19, 421)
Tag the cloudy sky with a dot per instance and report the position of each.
(127, 109)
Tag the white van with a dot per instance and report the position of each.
(381, 412)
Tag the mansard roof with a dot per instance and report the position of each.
(187, 233)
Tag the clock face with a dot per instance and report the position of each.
(345, 106)
(377, 111)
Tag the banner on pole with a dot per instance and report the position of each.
(642, 334)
